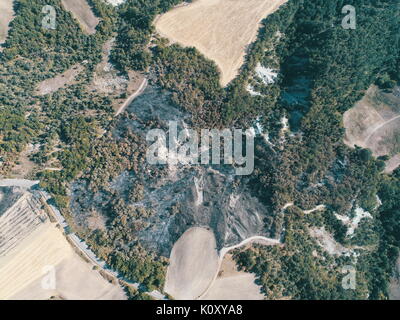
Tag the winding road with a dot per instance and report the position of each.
(132, 97)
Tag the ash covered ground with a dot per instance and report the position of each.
(172, 198)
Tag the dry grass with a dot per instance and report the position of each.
(232, 284)
(374, 123)
(6, 15)
(193, 264)
(82, 12)
(220, 29)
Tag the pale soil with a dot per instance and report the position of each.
(107, 80)
(115, 2)
(320, 207)
(24, 167)
(82, 12)
(29, 243)
(197, 271)
(193, 263)
(374, 123)
(22, 183)
(393, 163)
(245, 244)
(394, 287)
(220, 29)
(137, 86)
(232, 284)
(6, 16)
(327, 242)
(23, 271)
(53, 84)
(352, 223)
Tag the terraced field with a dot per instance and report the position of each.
(30, 244)
(18, 222)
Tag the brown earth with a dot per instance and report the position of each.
(6, 15)
(53, 84)
(82, 12)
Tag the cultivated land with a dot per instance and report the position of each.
(220, 29)
(198, 271)
(193, 263)
(82, 12)
(232, 284)
(30, 246)
(374, 123)
(6, 15)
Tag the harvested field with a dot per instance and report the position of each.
(193, 264)
(6, 15)
(82, 12)
(53, 84)
(374, 123)
(30, 244)
(232, 284)
(220, 29)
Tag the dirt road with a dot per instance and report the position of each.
(132, 97)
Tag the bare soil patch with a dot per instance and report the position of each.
(6, 16)
(220, 29)
(394, 287)
(107, 80)
(24, 166)
(193, 264)
(232, 284)
(82, 12)
(53, 84)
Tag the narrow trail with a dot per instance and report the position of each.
(380, 127)
(266, 241)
